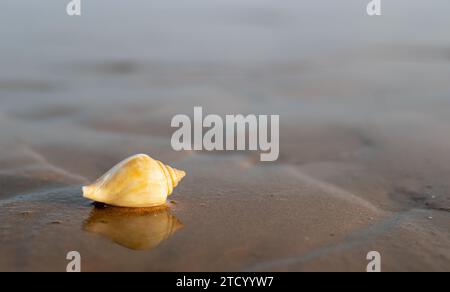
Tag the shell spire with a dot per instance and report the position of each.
(173, 176)
(139, 181)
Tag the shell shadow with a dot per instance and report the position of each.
(136, 229)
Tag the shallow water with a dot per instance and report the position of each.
(364, 112)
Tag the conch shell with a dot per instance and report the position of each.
(139, 181)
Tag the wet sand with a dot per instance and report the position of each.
(363, 165)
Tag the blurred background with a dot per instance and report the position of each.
(128, 67)
(152, 42)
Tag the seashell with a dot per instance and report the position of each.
(139, 181)
(136, 229)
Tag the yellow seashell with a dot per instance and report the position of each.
(139, 181)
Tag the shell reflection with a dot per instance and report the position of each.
(137, 229)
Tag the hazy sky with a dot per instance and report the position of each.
(212, 30)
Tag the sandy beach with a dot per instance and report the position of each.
(364, 109)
